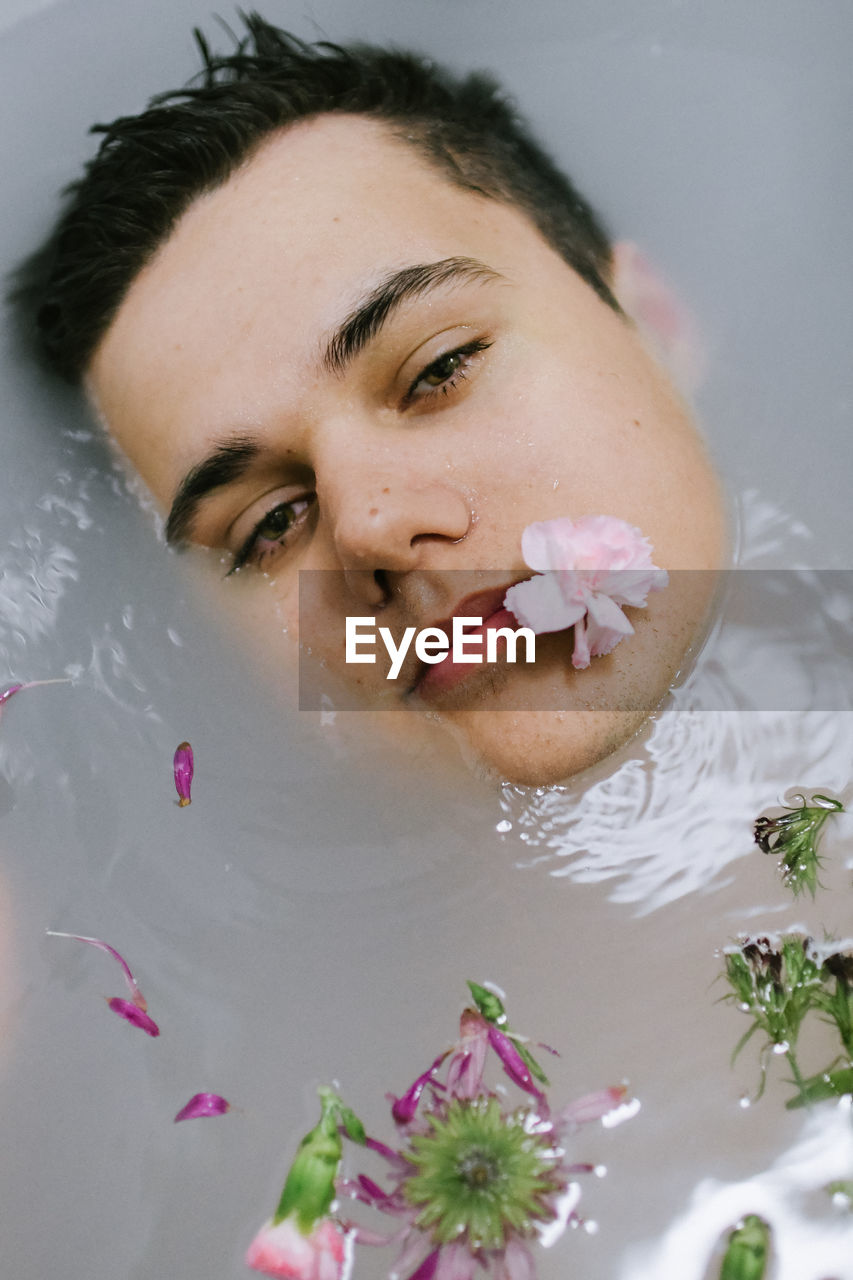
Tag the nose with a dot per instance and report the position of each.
(392, 525)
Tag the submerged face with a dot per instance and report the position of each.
(341, 362)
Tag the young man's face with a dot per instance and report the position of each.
(405, 454)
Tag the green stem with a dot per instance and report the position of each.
(798, 1079)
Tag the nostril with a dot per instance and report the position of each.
(380, 577)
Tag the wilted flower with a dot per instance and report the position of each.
(301, 1241)
(587, 569)
(203, 1104)
(748, 1250)
(476, 1179)
(794, 835)
(183, 766)
(134, 1010)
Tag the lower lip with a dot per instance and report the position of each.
(444, 675)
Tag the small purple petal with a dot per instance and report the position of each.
(134, 1015)
(403, 1109)
(183, 773)
(135, 994)
(513, 1063)
(203, 1104)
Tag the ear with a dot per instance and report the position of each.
(666, 325)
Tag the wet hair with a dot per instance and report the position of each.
(150, 167)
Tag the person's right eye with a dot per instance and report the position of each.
(277, 528)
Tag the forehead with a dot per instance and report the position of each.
(257, 271)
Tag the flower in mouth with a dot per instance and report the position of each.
(586, 570)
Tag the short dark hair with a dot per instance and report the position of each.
(150, 167)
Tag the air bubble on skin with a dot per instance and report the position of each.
(556, 484)
(504, 826)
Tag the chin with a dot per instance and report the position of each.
(542, 748)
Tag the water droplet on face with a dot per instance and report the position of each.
(503, 826)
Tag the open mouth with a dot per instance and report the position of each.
(433, 680)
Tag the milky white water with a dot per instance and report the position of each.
(314, 914)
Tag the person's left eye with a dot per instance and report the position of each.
(443, 374)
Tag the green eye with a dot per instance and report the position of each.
(443, 369)
(276, 522)
(271, 532)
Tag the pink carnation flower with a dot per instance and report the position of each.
(588, 569)
(282, 1250)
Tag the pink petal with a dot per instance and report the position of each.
(203, 1104)
(547, 544)
(517, 1263)
(513, 1063)
(590, 543)
(282, 1250)
(456, 1263)
(403, 1109)
(428, 1268)
(465, 1072)
(183, 767)
(134, 1015)
(135, 994)
(606, 625)
(592, 1106)
(543, 604)
(631, 586)
(7, 693)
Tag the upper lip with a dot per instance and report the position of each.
(479, 604)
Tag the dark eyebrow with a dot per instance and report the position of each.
(363, 324)
(227, 461)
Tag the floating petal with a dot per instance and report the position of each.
(134, 1015)
(135, 994)
(203, 1104)
(183, 773)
